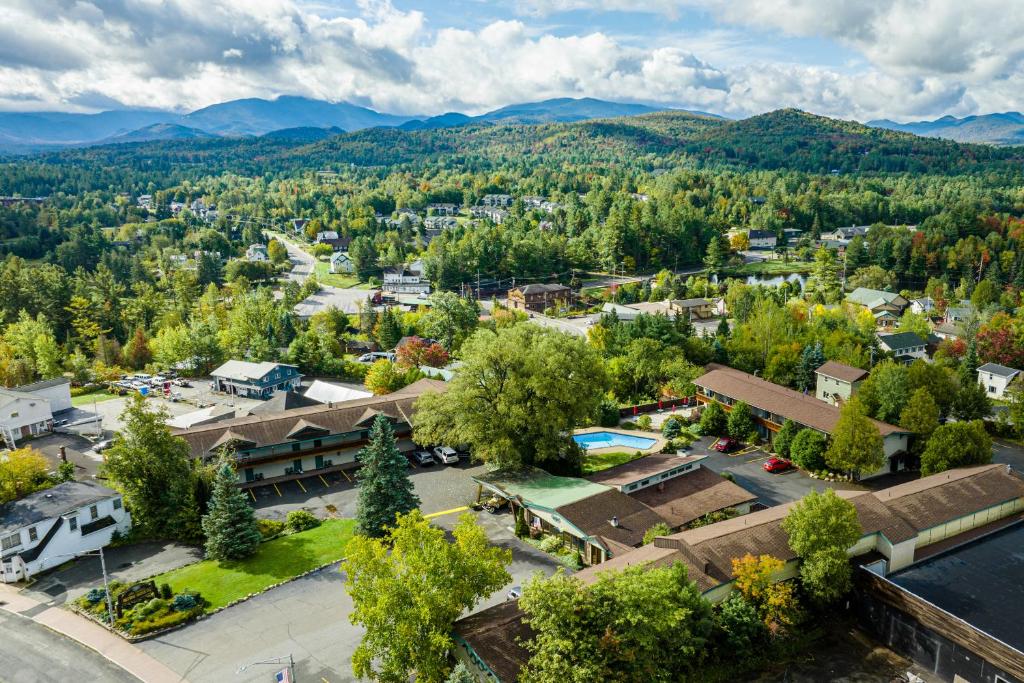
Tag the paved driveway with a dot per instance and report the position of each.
(1008, 453)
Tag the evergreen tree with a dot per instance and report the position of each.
(971, 402)
(812, 358)
(388, 331)
(384, 486)
(717, 253)
(461, 674)
(969, 365)
(229, 524)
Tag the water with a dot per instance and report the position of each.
(612, 440)
(776, 280)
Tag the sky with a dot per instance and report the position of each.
(851, 59)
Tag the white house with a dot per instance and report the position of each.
(923, 306)
(905, 346)
(47, 528)
(325, 235)
(341, 263)
(995, 378)
(23, 415)
(57, 391)
(762, 239)
(257, 252)
(406, 279)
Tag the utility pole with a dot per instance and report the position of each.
(106, 582)
(478, 284)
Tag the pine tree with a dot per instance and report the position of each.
(461, 674)
(384, 486)
(229, 525)
(388, 331)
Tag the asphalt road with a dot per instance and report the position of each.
(33, 654)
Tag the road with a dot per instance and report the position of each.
(303, 263)
(32, 653)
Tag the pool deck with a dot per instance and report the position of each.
(659, 440)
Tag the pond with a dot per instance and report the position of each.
(771, 280)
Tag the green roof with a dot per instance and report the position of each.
(537, 487)
(870, 297)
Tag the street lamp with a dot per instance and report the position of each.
(274, 660)
(103, 568)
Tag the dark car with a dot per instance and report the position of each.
(726, 445)
(777, 465)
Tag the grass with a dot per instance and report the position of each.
(274, 562)
(324, 276)
(598, 462)
(770, 268)
(87, 399)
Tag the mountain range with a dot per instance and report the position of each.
(1006, 128)
(22, 132)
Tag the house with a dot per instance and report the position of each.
(790, 236)
(772, 404)
(959, 314)
(145, 201)
(886, 307)
(923, 306)
(299, 225)
(57, 391)
(405, 280)
(626, 314)
(995, 378)
(762, 239)
(333, 240)
(306, 442)
(901, 526)
(946, 330)
(23, 415)
(342, 263)
(494, 214)
(280, 402)
(904, 346)
(539, 297)
(325, 235)
(846, 234)
(257, 252)
(47, 528)
(442, 209)
(699, 308)
(837, 382)
(255, 380)
(497, 200)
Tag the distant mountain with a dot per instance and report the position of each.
(159, 131)
(57, 128)
(257, 117)
(303, 133)
(565, 109)
(998, 129)
(449, 120)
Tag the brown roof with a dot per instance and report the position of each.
(841, 371)
(647, 466)
(495, 634)
(265, 430)
(682, 499)
(776, 399)
(593, 515)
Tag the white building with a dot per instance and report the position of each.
(23, 415)
(57, 391)
(341, 263)
(47, 528)
(257, 252)
(762, 239)
(329, 392)
(406, 279)
(995, 378)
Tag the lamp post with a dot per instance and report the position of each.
(274, 660)
(103, 568)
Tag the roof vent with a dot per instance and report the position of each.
(614, 521)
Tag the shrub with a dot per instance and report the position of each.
(740, 626)
(160, 622)
(95, 595)
(808, 450)
(146, 609)
(713, 419)
(301, 520)
(184, 602)
(609, 415)
(269, 527)
(551, 543)
(644, 423)
(671, 428)
(165, 591)
(659, 529)
(729, 476)
(629, 425)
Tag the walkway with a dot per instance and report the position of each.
(91, 635)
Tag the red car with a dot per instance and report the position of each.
(726, 445)
(777, 465)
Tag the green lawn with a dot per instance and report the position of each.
(326, 277)
(274, 562)
(97, 396)
(597, 462)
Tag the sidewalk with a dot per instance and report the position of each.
(93, 636)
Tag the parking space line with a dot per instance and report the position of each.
(346, 476)
(323, 480)
(446, 512)
(278, 490)
(253, 495)
(301, 486)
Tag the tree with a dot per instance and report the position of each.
(1014, 396)
(607, 631)
(713, 420)
(229, 524)
(416, 352)
(409, 587)
(957, 444)
(384, 377)
(808, 450)
(388, 332)
(856, 442)
(921, 417)
(137, 352)
(756, 580)
(519, 393)
(153, 469)
(811, 359)
(385, 489)
(740, 421)
(451, 319)
(891, 389)
(277, 252)
(823, 286)
(659, 529)
(717, 253)
(821, 528)
(461, 674)
(784, 438)
(971, 402)
(740, 627)
(671, 428)
(22, 471)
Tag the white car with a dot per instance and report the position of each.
(446, 455)
(423, 458)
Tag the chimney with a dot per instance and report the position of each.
(614, 521)
(63, 454)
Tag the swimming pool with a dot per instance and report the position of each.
(592, 440)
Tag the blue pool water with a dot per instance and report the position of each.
(612, 440)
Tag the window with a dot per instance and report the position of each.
(33, 535)
(295, 446)
(94, 512)
(12, 541)
(631, 487)
(317, 443)
(73, 523)
(117, 503)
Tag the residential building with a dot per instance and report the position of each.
(333, 240)
(498, 200)
(330, 392)
(202, 416)
(699, 308)
(257, 252)
(299, 225)
(442, 209)
(846, 234)
(405, 280)
(762, 239)
(23, 415)
(439, 223)
(837, 382)
(539, 297)
(886, 307)
(901, 526)
(57, 391)
(325, 235)
(906, 347)
(145, 201)
(923, 306)
(342, 263)
(47, 528)
(946, 330)
(255, 380)
(280, 402)
(305, 442)
(772, 404)
(996, 378)
(959, 314)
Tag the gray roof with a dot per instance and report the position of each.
(52, 502)
(997, 369)
(901, 340)
(43, 384)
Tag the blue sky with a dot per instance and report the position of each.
(863, 59)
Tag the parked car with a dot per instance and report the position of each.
(726, 445)
(375, 356)
(774, 464)
(423, 458)
(515, 593)
(181, 382)
(446, 455)
(103, 445)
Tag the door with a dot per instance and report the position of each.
(297, 465)
(249, 476)
(319, 462)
